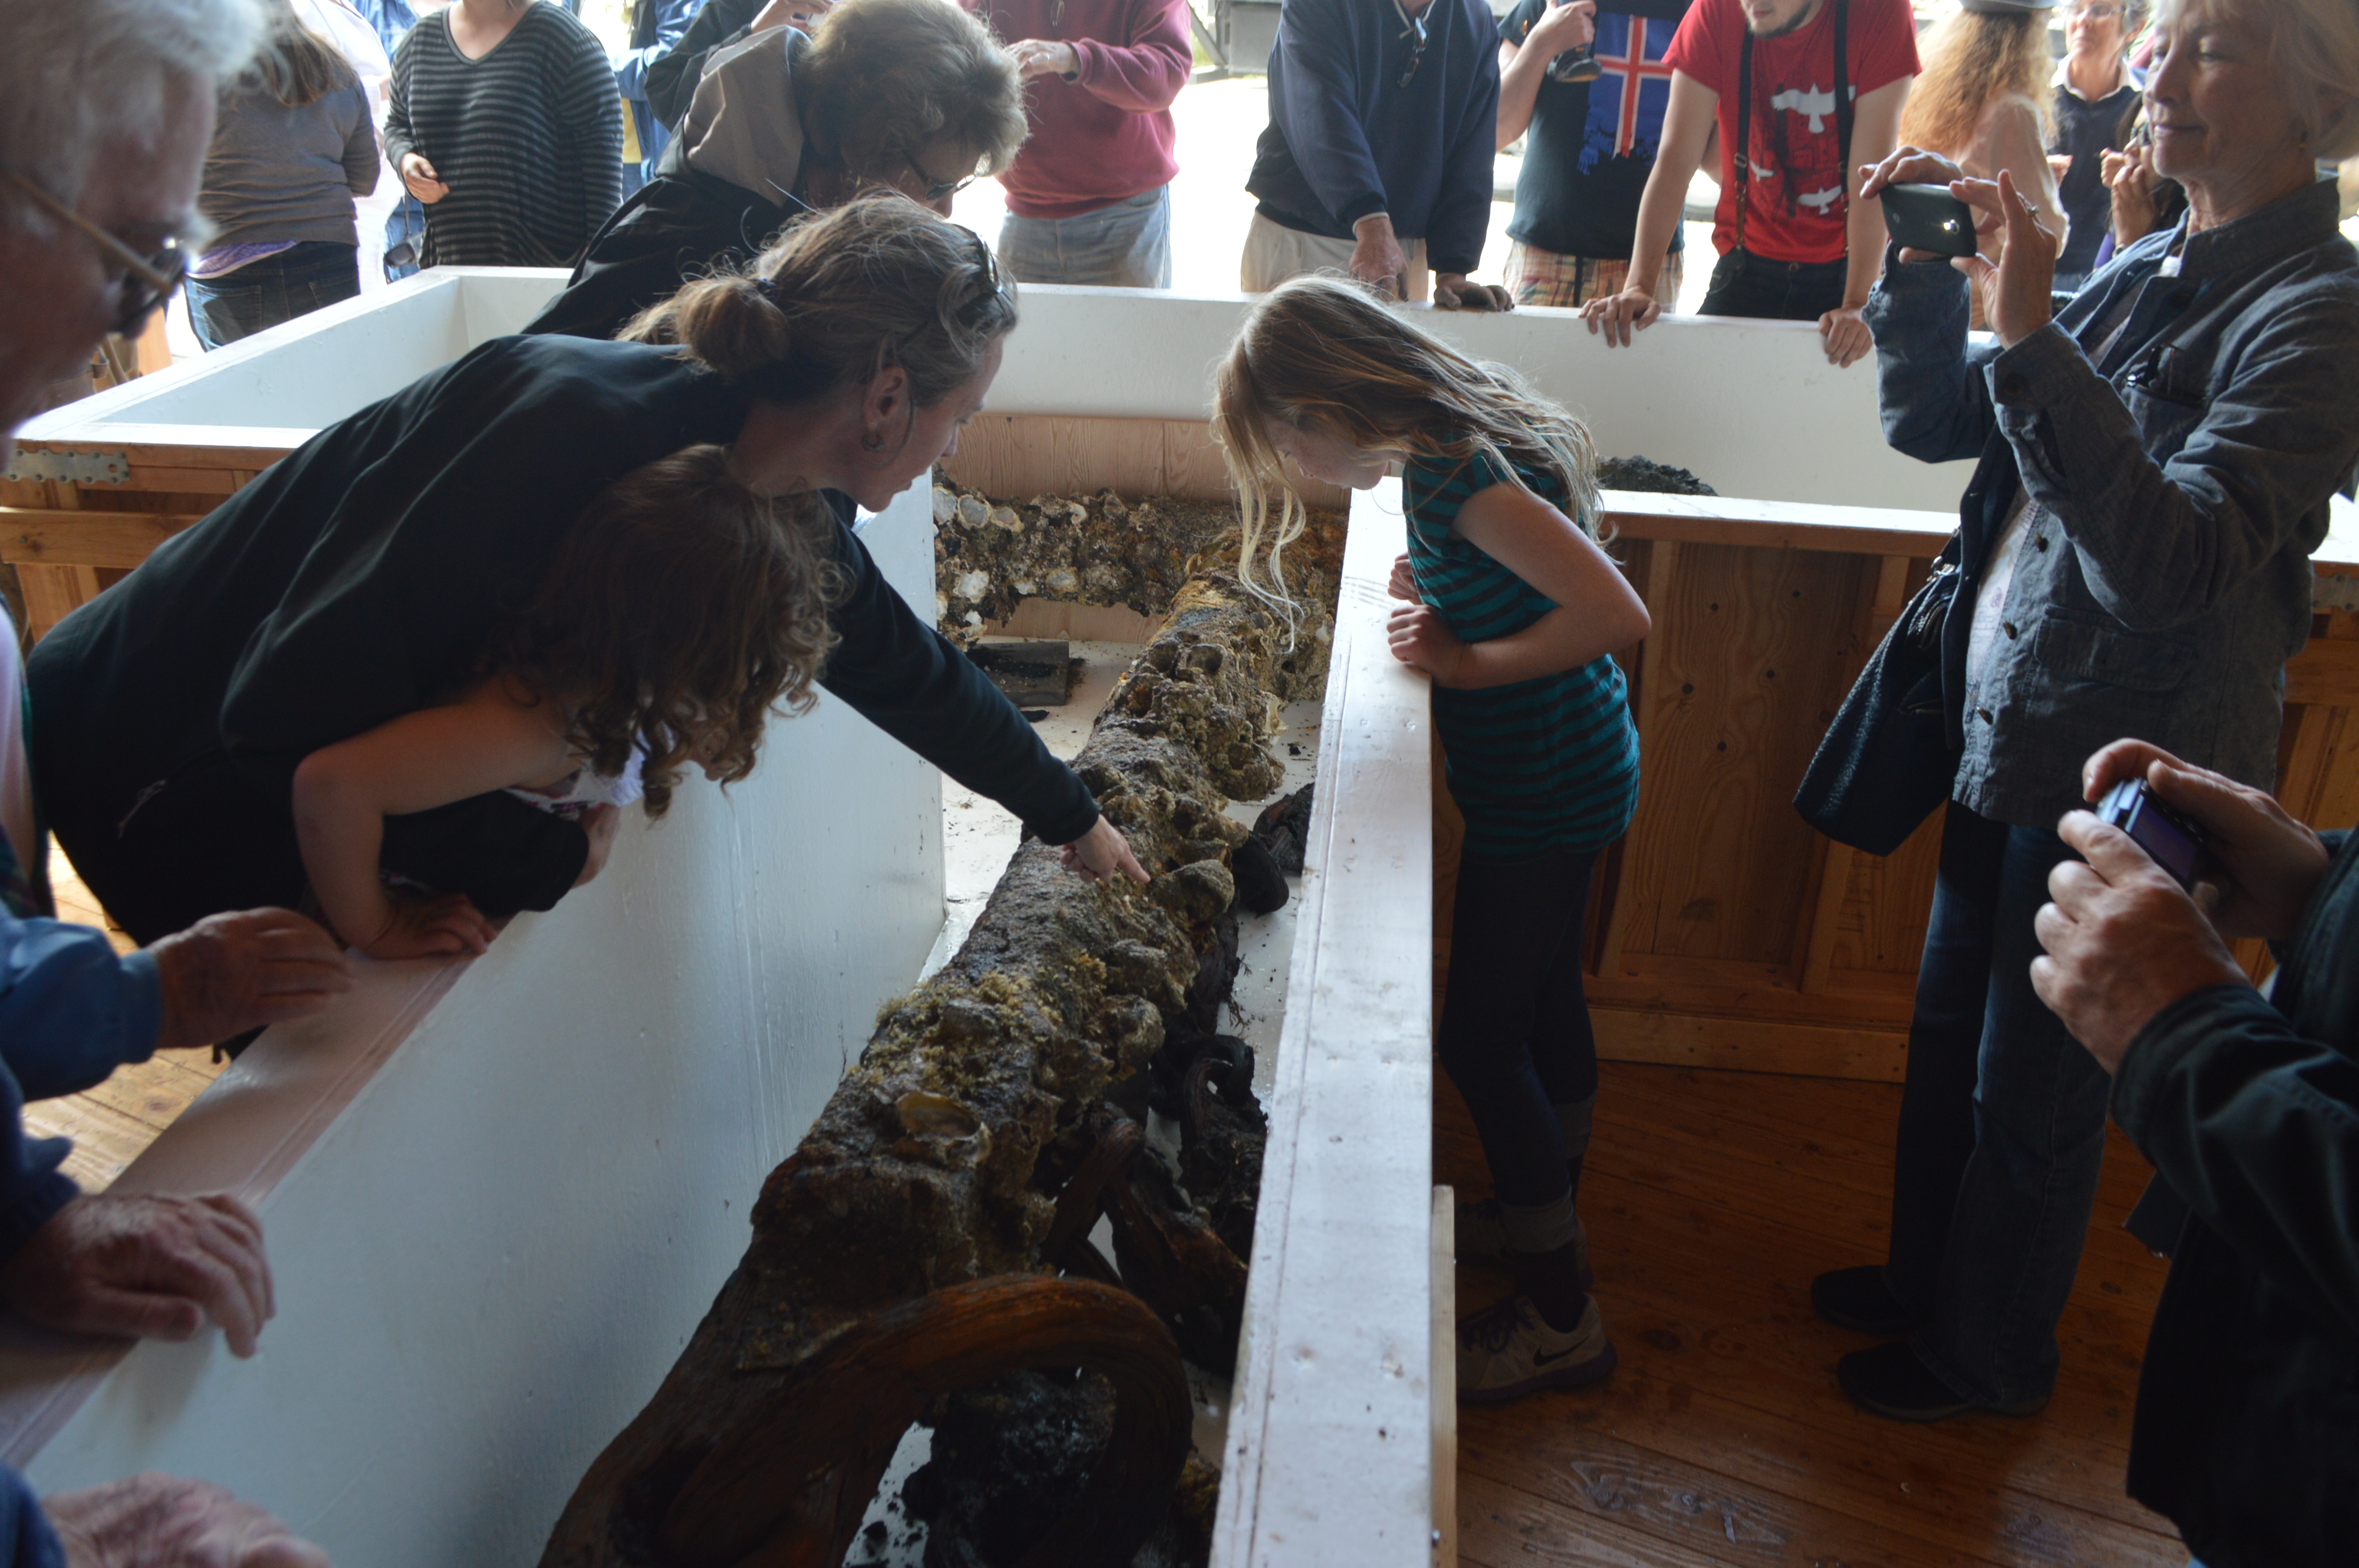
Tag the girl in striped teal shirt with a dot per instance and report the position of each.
(1515, 612)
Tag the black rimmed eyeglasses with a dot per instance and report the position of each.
(1412, 28)
(147, 281)
(937, 191)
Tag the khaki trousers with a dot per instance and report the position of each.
(1275, 252)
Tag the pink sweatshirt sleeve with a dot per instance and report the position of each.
(1148, 74)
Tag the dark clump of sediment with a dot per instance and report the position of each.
(1645, 473)
(1010, 1459)
(931, 1231)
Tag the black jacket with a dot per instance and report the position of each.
(679, 225)
(360, 579)
(2247, 1427)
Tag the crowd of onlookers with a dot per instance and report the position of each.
(302, 701)
(511, 136)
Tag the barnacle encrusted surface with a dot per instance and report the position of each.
(991, 554)
(921, 1172)
(1062, 988)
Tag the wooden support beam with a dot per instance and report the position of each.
(1662, 563)
(50, 537)
(2324, 673)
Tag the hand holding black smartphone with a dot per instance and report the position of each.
(1928, 218)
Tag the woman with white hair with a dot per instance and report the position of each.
(2156, 467)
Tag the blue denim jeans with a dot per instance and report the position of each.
(1516, 1036)
(2002, 1126)
(295, 282)
(1126, 245)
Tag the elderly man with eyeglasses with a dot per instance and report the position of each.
(1377, 158)
(107, 108)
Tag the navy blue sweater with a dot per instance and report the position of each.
(1345, 139)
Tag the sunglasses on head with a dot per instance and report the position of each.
(147, 281)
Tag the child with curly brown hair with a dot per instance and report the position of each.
(676, 616)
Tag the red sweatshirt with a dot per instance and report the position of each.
(1107, 134)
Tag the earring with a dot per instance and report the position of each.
(874, 443)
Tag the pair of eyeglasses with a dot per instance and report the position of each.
(147, 281)
(939, 191)
(1416, 30)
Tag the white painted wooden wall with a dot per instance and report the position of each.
(492, 1242)
(1751, 406)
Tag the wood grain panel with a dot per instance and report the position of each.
(1748, 1044)
(56, 537)
(1745, 664)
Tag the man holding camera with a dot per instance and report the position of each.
(2247, 1428)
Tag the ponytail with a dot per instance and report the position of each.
(839, 297)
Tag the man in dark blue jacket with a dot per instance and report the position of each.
(2247, 1428)
(1377, 158)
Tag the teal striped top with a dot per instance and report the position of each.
(1550, 762)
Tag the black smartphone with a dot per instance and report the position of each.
(2176, 844)
(1928, 218)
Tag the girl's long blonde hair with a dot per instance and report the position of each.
(1325, 356)
(1974, 59)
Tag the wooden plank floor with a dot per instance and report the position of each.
(112, 1123)
(1712, 1199)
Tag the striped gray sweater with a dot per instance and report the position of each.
(528, 138)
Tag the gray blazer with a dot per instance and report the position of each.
(2177, 489)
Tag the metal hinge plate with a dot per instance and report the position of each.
(70, 467)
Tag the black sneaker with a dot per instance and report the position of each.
(1893, 1381)
(1858, 1299)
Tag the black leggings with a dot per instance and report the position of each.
(1516, 1036)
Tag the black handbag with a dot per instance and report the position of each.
(1885, 763)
